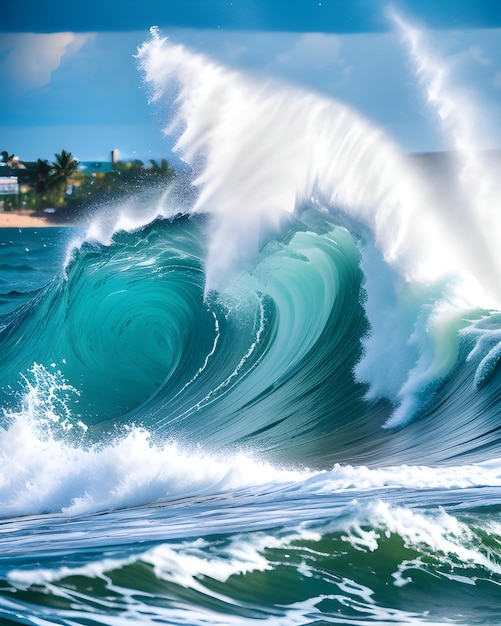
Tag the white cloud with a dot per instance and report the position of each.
(313, 55)
(30, 59)
(475, 54)
(317, 50)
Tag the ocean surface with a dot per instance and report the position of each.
(267, 394)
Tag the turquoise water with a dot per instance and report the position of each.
(268, 394)
(172, 459)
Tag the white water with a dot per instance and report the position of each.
(43, 471)
(261, 149)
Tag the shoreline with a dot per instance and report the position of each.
(11, 219)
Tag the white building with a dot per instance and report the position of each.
(9, 185)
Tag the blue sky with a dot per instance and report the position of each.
(70, 79)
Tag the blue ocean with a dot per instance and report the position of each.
(268, 393)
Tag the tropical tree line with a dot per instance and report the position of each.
(52, 180)
(59, 185)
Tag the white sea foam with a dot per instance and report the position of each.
(437, 532)
(259, 149)
(181, 563)
(189, 563)
(42, 470)
(50, 475)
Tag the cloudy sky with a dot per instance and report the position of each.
(70, 79)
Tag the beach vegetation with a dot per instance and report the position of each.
(62, 169)
(70, 191)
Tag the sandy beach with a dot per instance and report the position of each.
(24, 220)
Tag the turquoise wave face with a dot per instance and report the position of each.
(174, 404)
(117, 327)
(186, 419)
(127, 327)
(126, 335)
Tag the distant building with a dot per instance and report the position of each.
(9, 185)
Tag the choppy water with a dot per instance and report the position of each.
(269, 394)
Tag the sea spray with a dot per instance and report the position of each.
(262, 151)
(474, 219)
(233, 470)
(259, 149)
(51, 469)
(188, 500)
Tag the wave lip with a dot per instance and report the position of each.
(263, 154)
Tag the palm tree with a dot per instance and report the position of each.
(62, 169)
(164, 170)
(43, 170)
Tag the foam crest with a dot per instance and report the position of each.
(260, 148)
(435, 532)
(412, 477)
(47, 470)
(129, 214)
(185, 564)
(58, 477)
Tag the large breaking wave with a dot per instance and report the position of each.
(315, 301)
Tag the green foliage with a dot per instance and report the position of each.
(163, 170)
(62, 169)
(59, 184)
